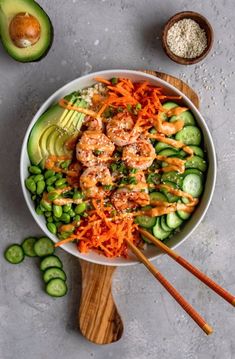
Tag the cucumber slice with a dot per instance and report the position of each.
(164, 225)
(145, 221)
(162, 146)
(183, 215)
(196, 162)
(189, 135)
(145, 239)
(168, 152)
(170, 197)
(157, 196)
(186, 116)
(158, 232)
(56, 287)
(14, 254)
(172, 177)
(50, 261)
(173, 220)
(28, 246)
(168, 106)
(192, 184)
(195, 171)
(44, 247)
(52, 273)
(198, 151)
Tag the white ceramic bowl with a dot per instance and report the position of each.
(189, 226)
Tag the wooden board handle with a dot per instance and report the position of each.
(99, 320)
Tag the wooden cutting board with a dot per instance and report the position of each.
(98, 317)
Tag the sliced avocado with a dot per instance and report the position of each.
(25, 29)
(53, 129)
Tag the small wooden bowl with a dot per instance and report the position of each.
(202, 22)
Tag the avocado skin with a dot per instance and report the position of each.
(46, 50)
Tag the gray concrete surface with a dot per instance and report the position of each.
(93, 35)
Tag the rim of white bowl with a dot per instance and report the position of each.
(111, 73)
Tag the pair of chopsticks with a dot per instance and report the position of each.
(169, 287)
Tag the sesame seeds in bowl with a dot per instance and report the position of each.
(187, 38)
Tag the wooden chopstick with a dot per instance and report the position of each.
(195, 271)
(169, 287)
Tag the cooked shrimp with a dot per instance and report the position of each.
(121, 129)
(124, 199)
(92, 180)
(93, 124)
(139, 155)
(94, 148)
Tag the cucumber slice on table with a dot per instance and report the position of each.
(158, 231)
(163, 224)
(49, 262)
(14, 254)
(186, 116)
(173, 220)
(196, 162)
(28, 246)
(192, 184)
(189, 135)
(44, 247)
(145, 221)
(52, 273)
(157, 197)
(56, 287)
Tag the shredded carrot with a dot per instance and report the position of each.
(65, 104)
(103, 233)
(103, 81)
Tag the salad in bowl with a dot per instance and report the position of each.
(110, 153)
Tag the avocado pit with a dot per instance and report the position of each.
(24, 30)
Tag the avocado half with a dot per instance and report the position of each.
(9, 10)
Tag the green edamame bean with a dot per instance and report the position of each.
(46, 205)
(64, 235)
(77, 220)
(67, 208)
(65, 218)
(38, 210)
(47, 214)
(80, 208)
(51, 180)
(50, 189)
(53, 195)
(50, 219)
(71, 213)
(52, 228)
(60, 182)
(59, 175)
(77, 195)
(65, 164)
(48, 174)
(33, 197)
(38, 178)
(58, 224)
(57, 211)
(56, 219)
(40, 187)
(30, 185)
(35, 170)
